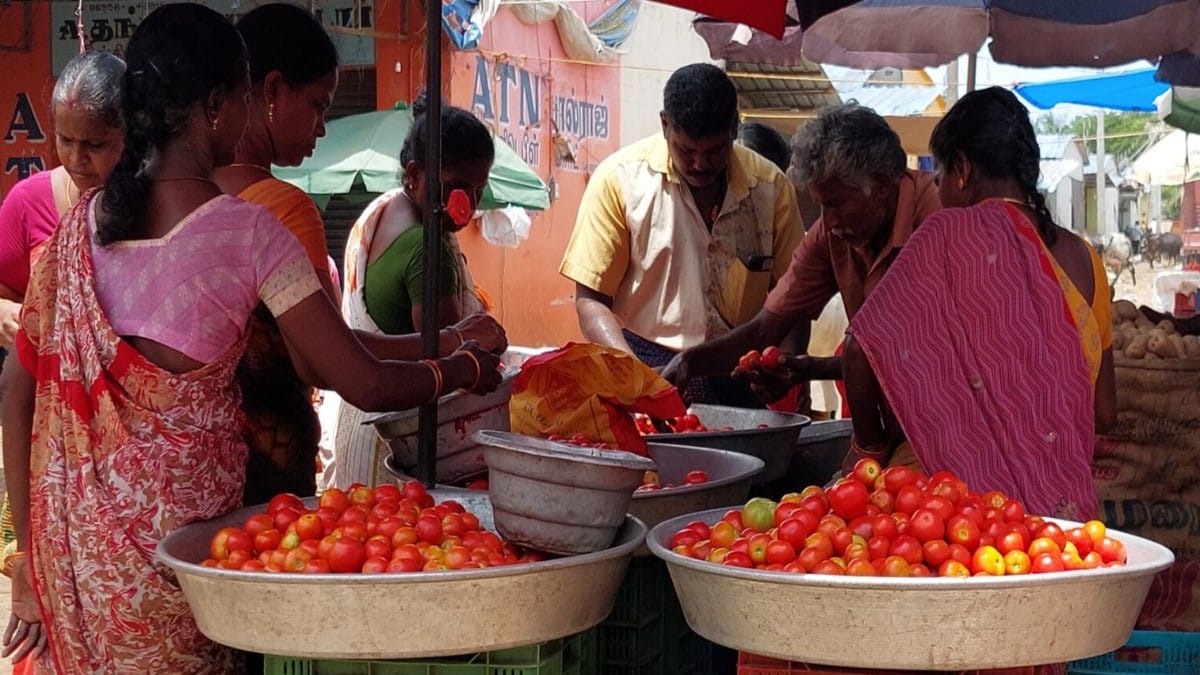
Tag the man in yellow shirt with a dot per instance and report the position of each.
(679, 235)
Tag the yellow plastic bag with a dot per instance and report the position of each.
(591, 390)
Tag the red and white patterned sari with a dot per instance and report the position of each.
(123, 453)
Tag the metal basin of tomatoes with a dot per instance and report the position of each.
(397, 616)
(913, 623)
(460, 415)
(728, 484)
(773, 443)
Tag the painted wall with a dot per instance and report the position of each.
(27, 143)
(521, 83)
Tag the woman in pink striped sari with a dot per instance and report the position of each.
(988, 344)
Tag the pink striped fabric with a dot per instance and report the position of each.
(969, 337)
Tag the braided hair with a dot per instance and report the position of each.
(464, 138)
(179, 55)
(992, 130)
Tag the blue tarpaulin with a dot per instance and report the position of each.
(1134, 91)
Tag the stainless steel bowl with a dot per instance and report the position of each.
(557, 497)
(774, 445)
(397, 616)
(459, 416)
(729, 476)
(922, 624)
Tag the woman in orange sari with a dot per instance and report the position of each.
(121, 417)
(989, 341)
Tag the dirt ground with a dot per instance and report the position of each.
(1143, 292)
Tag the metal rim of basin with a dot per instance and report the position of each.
(533, 445)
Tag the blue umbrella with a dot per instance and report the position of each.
(1136, 90)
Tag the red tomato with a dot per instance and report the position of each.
(987, 559)
(723, 533)
(780, 552)
(284, 516)
(896, 566)
(335, 499)
(878, 547)
(1080, 537)
(347, 555)
(757, 548)
(907, 547)
(808, 557)
(926, 525)
(960, 553)
(862, 526)
(1096, 530)
(994, 499)
(738, 559)
(257, 523)
(908, 498)
(883, 500)
(457, 557)
(267, 540)
(750, 359)
(695, 477)
(829, 567)
(309, 526)
(1110, 550)
(866, 470)
(1011, 541)
(429, 529)
(884, 525)
(1047, 562)
(961, 529)
(218, 547)
(821, 542)
(841, 539)
(378, 545)
(1052, 531)
(848, 498)
(1013, 511)
(1017, 562)
(935, 552)
(954, 568)
(896, 477)
(939, 505)
(282, 500)
(860, 567)
(771, 356)
(296, 559)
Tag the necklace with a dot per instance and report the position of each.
(1010, 200)
(251, 165)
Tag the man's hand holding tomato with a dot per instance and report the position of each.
(772, 374)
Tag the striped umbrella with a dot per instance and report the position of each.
(922, 33)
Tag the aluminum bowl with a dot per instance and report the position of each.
(773, 445)
(397, 616)
(913, 623)
(459, 416)
(557, 497)
(729, 476)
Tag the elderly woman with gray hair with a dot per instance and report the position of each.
(852, 164)
(88, 139)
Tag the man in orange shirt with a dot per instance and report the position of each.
(853, 165)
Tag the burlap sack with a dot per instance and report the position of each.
(1147, 472)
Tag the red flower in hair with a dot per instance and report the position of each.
(458, 206)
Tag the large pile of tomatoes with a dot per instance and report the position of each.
(385, 529)
(896, 522)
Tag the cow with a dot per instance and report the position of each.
(1163, 245)
(1115, 251)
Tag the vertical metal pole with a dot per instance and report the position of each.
(432, 250)
(1102, 224)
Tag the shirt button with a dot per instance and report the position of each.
(977, 383)
(1051, 436)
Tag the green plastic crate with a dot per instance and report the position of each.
(647, 634)
(1146, 653)
(556, 657)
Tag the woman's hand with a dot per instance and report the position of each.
(482, 373)
(485, 330)
(10, 312)
(24, 635)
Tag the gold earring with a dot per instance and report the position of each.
(215, 123)
(271, 113)
(962, 184)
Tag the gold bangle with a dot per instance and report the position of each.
(437, 378)
(863, 452)
(478, 370)
(458, 334)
